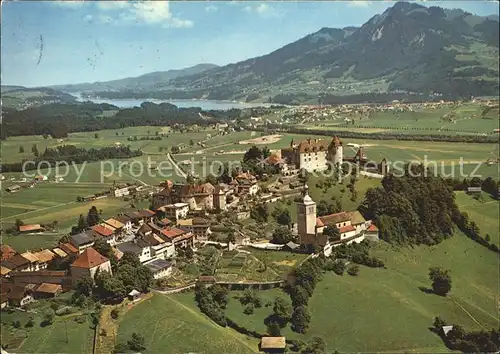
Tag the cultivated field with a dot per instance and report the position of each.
(464, 119)
(179, 327)
(384, 309)
(256, 265)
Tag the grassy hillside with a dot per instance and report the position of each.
(173, 324)
(385, 309)
(483, 212)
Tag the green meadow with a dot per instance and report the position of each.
(483, 212)
(174, 324)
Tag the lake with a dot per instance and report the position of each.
(203, 104)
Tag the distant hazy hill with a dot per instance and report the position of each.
(20, 97)
(148, 81)
(409, 47)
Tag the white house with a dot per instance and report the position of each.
(175, 211)
(160, 268)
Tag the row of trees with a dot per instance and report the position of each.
(212, 302)
(488, 185)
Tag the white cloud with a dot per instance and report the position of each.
(147, 12)
(88, 18)
(263, 10)
(359, 3)
(69, 4)
(211, 8)
(112, 5)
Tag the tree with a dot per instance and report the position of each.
(273, 329)
(220, 295)
(96, 135)
(48, 319)
(18, 223)
(93, 216)
(353, 270)
(175, 149)
(282, 235)
(30, 323)
(82, 223)
(332, 232)
(441, 280)
(284, 218)
(339, 267)
(21, 149)
(137, 342)
(282, 311)
(300, 319)
(316, 345)
(260, 213)
(438, 324)
(249, 308)
(85, 285)
(191, 142)
(34, 150)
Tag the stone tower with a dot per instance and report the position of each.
(335, 152)
(306, 218)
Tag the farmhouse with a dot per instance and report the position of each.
(100, 231)
(27, 229)
(82, 241)
(160, 268)
(13, 189)
(174, 211)
(313, 154)
(121, 190)
(118, 226)
(17, 263)
(351, 225)
(17, 295)
(179, 237)
(39, 260)
(273, 344)
(245, 184)
(126, 221)
(200, 227)
(138, 247)
(46, 290)
(88, 263)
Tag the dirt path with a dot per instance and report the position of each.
(34, 211)
(176, 166)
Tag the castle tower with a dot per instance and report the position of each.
(306, 218)
(335, 152)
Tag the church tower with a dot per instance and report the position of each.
(306, 218)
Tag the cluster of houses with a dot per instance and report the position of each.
(150, 235)
(178, 199)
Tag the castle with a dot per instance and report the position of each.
(314, 154)
(352, 226)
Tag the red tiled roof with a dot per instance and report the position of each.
(68, 248)
(347, 228)
(7, 252)
(372, 228)
(172, 233)
(49, 288)
(90, 258)
(335, 218)
(101, 230)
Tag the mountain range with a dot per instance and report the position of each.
(408, 48)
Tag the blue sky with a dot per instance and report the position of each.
(90, 41)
